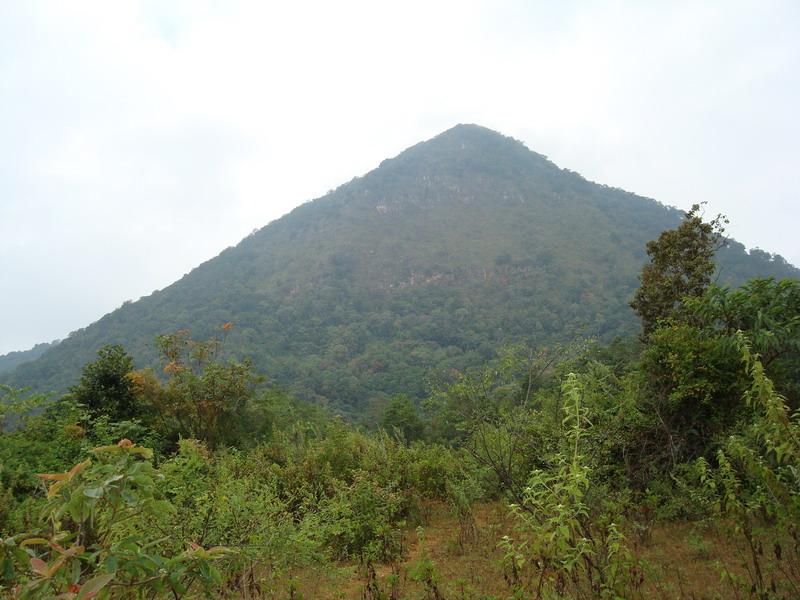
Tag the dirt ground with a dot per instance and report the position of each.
(678, 561)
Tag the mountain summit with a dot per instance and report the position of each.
(432, 261)
(471, 147)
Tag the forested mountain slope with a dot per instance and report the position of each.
(11, 360)
(432, 261)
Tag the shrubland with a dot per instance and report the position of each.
(664, 465)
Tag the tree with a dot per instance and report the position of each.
(691, 390)
(768, 313)
(105, 388)
(753, 483)
(401, 414)
(14, 402)
(681, 266)
(202, 398)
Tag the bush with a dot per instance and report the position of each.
(87, 549)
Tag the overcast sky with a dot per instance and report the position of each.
(138, 139)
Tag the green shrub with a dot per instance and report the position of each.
(87, 550)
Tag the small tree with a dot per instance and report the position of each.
(105, 388)
(768, 313)
(681, 265)
(574, 537)
(203, 398)
(15, 402)
(401, 414)
(692, 375)
(755, 485)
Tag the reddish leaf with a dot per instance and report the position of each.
(94, 585)
(40, 567)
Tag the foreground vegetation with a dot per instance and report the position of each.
(660, 466)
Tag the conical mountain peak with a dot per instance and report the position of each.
(467, 147)
(471, 133)
(457, 246)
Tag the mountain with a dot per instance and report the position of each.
(432, 261)
(11, 360)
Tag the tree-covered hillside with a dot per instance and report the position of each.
(431, 262)
(11, 360)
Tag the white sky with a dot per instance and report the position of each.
(138, 139)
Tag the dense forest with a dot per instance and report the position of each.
(436, 260)
(662, 464)
(8, 362)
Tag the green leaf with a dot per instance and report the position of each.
(111, 564)
(75, 568)
(142, 480)
(128, 544)
(7, 570)
(93, 492)
(129, 498)
(216, 576)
